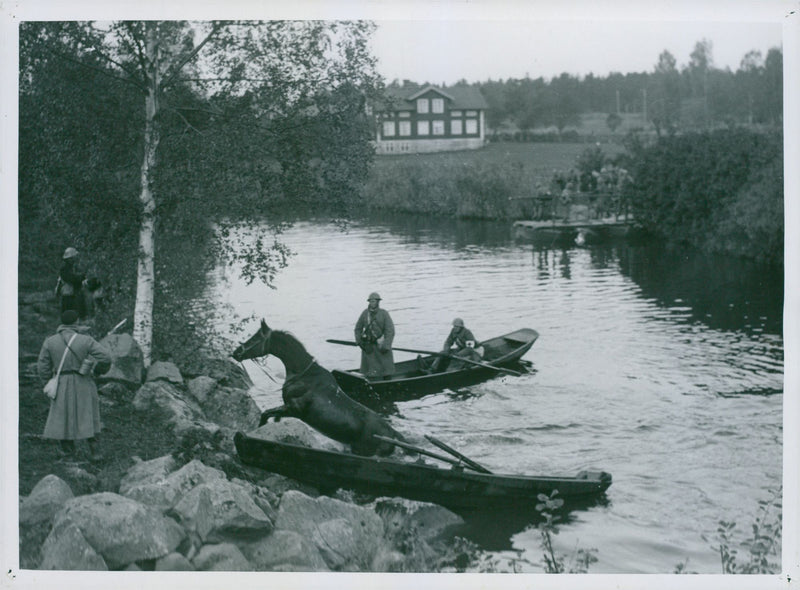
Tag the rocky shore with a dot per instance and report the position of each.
(196, 507)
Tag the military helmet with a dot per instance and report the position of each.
(458, 322)
(70, 253)
(374, 295)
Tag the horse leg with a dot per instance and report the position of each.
(276, 413)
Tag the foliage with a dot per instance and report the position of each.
(554, 563)
(675, 98)
(264, 116)
(613, 121)
(718, 189)
(445, 187)
(763, 544)
(683, 568)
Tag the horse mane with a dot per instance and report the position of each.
(289, 337)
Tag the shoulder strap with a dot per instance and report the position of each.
(64, 356)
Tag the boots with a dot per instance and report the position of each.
(94, 452)
(66, 448)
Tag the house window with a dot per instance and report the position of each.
(456, 128)
(388, 128)
(403, 114)
(404, 128)
(423, 128)
(472, 113)
(422, 105)
(437, 105)
(438, 127)
(456, 113)
(472, 126)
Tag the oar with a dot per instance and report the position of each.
(469, 361)
(422, 451)
(452, 451)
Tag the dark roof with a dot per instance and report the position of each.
(462, 96)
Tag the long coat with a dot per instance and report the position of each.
(71, 293)
(376, 346)
(75, 413)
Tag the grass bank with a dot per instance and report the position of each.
(489, 183)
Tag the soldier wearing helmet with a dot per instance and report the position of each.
(459, 343)
(70, 284)
(374, 333)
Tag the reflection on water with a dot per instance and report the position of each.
(722, 292)
(643, 367)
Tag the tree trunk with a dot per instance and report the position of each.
(143, 312)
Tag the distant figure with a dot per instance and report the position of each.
(374, 333)
(75, 412)
(69, 286)
(459, 343)
(93, 295)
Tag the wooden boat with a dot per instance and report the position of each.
(410, 380)
(457, 489)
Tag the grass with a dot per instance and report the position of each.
(538, 160)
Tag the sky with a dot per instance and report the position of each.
(444, 51)
(442, 41)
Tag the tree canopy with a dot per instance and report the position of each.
(136, 136)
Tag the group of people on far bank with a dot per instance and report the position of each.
(374, 334)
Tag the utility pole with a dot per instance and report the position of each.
(618, 101)
(644, 103)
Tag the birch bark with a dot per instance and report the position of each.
(143, 311)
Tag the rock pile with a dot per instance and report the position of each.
(182, 514)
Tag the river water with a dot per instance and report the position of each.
(663, 368)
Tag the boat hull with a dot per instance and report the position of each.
(410, 382)
(459, 490)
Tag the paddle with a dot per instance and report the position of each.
(422, 451)
(469, 361)
(452, 451)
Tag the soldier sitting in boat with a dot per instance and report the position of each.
(460, 343)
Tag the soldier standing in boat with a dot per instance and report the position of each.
(374, 333)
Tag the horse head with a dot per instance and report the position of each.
(257, 345)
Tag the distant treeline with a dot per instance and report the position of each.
(697, 95)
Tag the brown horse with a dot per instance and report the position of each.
(311, 394)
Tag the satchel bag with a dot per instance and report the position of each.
(51, 387)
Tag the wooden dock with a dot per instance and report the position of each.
(578, 231)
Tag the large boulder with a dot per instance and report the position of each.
(200, 387)
(67, 549)
(147, 472)
(163, 493)
(127, 360)
(295, 432)
(284, 551)
(426, 521)
(219, 510)
(119, 529)
(47, 497)
(340, 546)
(225, 557)
(164, 371)
(183, 414)
(231, 407)
(264, 497)
(346, 535)
(224, 371)
(174, 562)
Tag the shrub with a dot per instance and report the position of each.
(718, 189)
